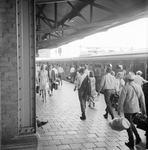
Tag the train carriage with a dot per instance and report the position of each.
(130, 61)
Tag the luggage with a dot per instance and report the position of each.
(114, 100)
(119, 124)
(140, 121)
(55, 85)
(37, 89)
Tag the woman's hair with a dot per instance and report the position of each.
(91, 73)
(42, 67)
(81, 70)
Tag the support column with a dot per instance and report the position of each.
(26, 138)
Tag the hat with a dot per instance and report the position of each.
(139, 72)
(109, 69)
(130, 76)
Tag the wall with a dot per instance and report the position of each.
(8, 68)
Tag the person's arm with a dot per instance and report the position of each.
(142, 102)
(144, 81)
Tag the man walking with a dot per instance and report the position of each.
(129, 100)
(108, 83)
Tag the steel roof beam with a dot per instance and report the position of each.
(39, 2)
(77, 11)
(94, 24)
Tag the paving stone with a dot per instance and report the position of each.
(65, 130)
(74, 146)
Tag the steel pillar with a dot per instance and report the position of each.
(26, 48)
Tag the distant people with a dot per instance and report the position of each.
(43, 75)
(52, 79)
(139, 79)
(129, 100)
(76, 78)
(55, 70)
(72, 74)
(108, 85)
(119, 82)
(60, 73)
(84, 90)
(86, 69)
(97, 74)
(93, 88)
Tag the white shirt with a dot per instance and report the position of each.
(139, 80)
(72, 70)
(55, 70)
(60, 70)
(108, 81)
(80, 79)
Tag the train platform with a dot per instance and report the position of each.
(66, 131)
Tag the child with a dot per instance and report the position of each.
(93, 89)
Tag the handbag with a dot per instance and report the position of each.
(96, 99)
(37, 89)
(114, 100)
(55, 85)
(119, 124)
(142, 123)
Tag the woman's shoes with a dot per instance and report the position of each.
(41, 123)
(129, 145)
(138, 140)
(83, 117)
(105, 116)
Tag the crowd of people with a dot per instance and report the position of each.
(131, 89)
(48, 78)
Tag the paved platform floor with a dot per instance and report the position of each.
(65, 130)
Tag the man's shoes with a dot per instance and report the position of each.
(83, 116)
(138, 140)
(105, 116)
(41, 123)
(129, 145)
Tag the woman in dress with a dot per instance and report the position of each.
(43, 75)
(93, 88)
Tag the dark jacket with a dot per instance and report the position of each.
(85, 87)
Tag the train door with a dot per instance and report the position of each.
(142, 66)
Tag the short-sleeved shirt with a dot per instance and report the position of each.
(139, 80)
(108, 81)
(72, 70)
(60, 70)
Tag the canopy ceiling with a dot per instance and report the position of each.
(62, 21)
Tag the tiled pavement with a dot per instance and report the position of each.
(65, 130)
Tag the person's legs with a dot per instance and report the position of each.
(82, 105)
(130, 130)
(109, 109)
(138, 139)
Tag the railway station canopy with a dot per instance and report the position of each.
(59, 22)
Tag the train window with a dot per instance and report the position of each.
(119, 67)
(98, 65)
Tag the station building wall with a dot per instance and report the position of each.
(8, 69)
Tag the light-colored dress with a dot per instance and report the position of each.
(43, 80)
(119, 85)
(93, 88)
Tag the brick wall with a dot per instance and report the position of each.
(8, 68)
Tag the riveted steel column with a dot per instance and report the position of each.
(26, 66)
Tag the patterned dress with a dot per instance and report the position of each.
(93, 88)
(43, 80)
